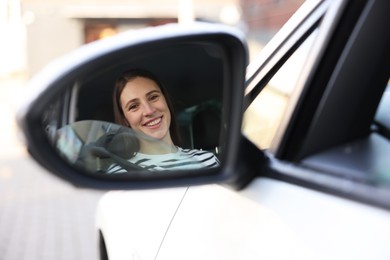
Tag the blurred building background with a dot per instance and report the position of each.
(34, 32)
(13, 42)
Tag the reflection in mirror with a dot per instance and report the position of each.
(140, 115)
(99, 146)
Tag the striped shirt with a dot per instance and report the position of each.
(183, 159)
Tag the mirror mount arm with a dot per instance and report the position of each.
(252, 163)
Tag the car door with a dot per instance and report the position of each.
(323, 194)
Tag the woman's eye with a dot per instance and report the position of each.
(132, 107)
(153, 97)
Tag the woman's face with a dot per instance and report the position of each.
(146, 109)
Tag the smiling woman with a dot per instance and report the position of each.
(142, 103)
(151, 124)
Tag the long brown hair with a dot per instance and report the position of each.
(120, 85)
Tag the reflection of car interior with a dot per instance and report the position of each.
(196, 97)
(111, 144)
(199, 95)
(200, 126)
(86, 144)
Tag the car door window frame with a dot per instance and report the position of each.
(283, 163)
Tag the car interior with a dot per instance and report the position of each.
(338, 126)
(194, 85)
(366, 158)
(341, 124)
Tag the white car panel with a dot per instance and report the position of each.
(271, 219)
(134, 222)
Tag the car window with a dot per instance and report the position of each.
(264, 116)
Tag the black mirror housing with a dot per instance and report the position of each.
(132, 47)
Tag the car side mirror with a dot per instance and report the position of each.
(70, 118)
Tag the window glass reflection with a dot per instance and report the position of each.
(264, 116)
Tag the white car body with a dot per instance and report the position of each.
(137, 221)
(267, 220)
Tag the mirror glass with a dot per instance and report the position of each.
(142, 112)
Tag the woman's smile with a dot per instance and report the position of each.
(154, 123)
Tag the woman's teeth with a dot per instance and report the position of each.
(154, 122)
